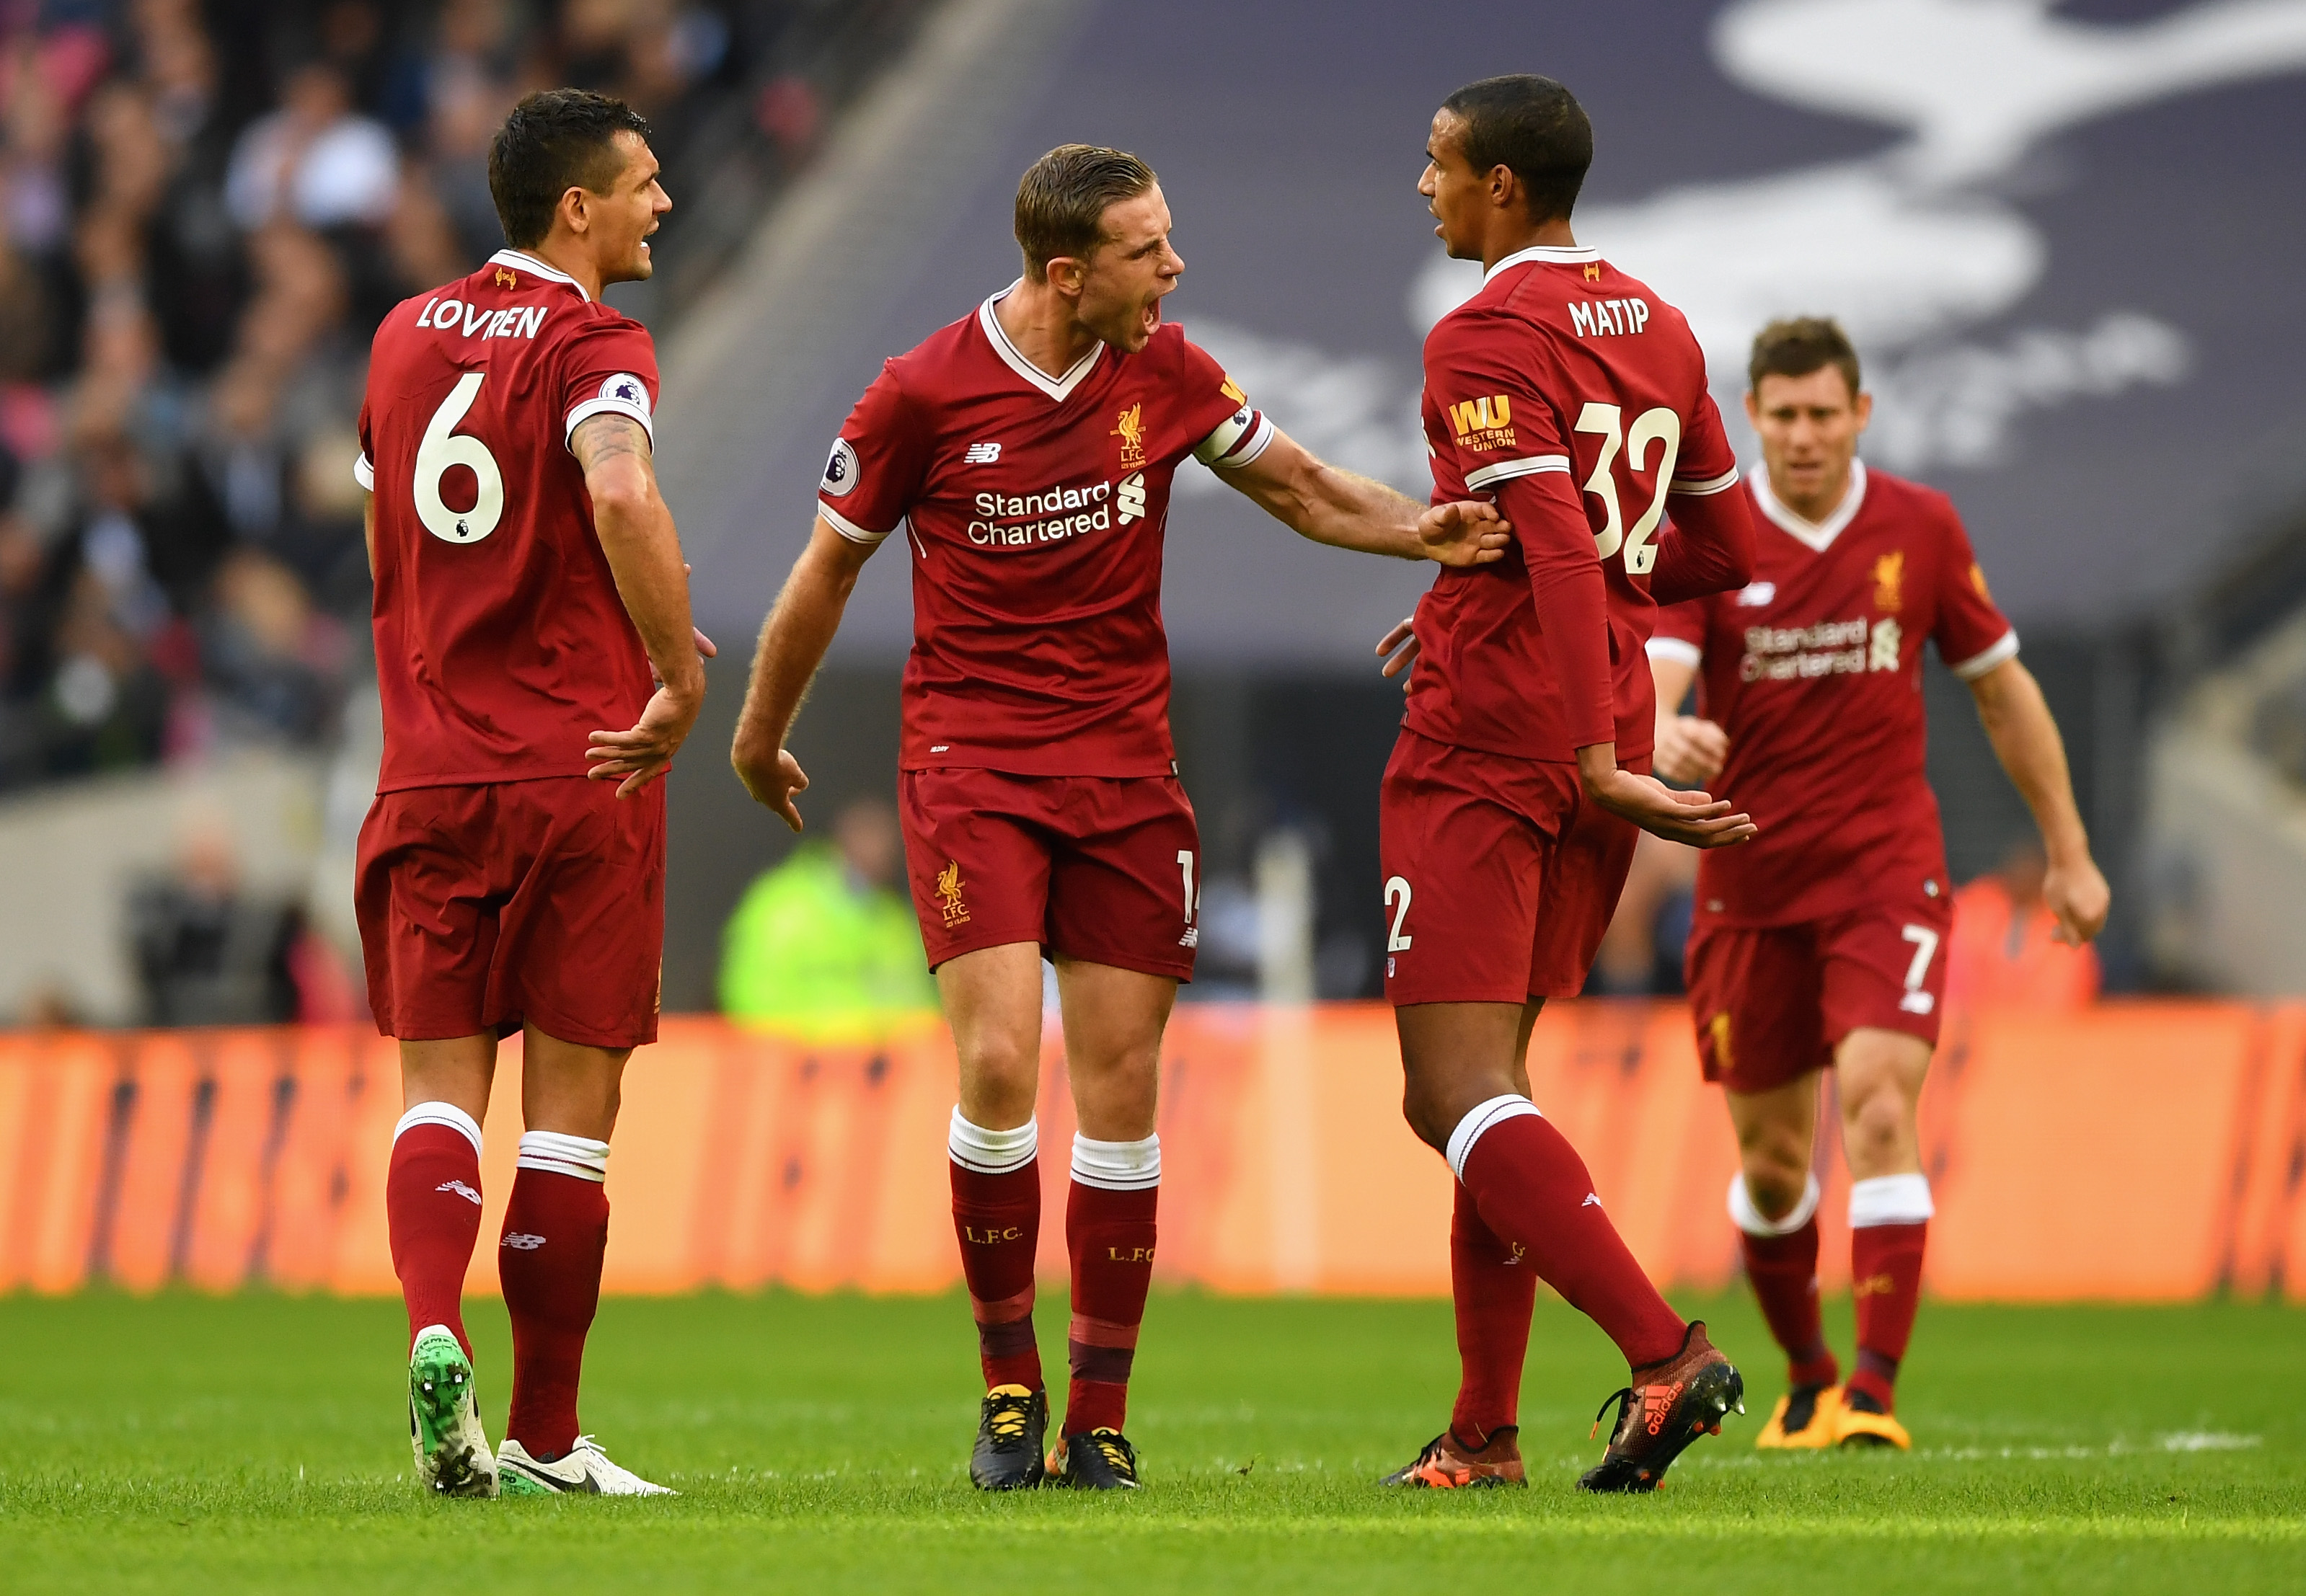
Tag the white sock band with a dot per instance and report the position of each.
(552, 1153)
(1117, 1165)
(1890, 1200)
(442, 1114)
(992, 1152)
(1747, 1216)
(1471, 1129)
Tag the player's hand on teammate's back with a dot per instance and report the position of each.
(1696, 818)
(774, 783)
(1398, 649)
(635, 758)
(1464, 532)
(2076, 893)
(1690, 751)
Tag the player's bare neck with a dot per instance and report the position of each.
(1509, 233)
(564, 252)
(1044, 327)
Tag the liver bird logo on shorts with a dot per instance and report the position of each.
(948, 890)
(1130, 430)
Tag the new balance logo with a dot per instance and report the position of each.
(1592, 1200)
(461, 1190)
(520, 1241)
(981, 454)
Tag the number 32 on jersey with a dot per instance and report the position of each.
(1659, 425)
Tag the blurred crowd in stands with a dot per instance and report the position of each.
(204, 210)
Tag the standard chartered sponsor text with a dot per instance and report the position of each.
(1062, 513)
(1829, 648)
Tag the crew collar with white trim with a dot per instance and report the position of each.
(1818, 534)
(1542, 254)
(521, 260)
(1057, 388)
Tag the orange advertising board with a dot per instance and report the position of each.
(2138, 1151)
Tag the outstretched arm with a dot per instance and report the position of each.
(2025, 739)
(644, 552)
(793, 640)
(1330, 505)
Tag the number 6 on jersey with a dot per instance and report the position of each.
(444, 447)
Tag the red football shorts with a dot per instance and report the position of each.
(541, 901)
(1772, 1002)
(1100, 868)
(1501, 874)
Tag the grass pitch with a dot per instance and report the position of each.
(258, 1443)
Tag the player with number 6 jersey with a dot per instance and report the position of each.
(1509, 810)
(1821, 943)
(529, 587)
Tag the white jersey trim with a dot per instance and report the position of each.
(1503, 470)
(1057, 387)
(1719, 484)
(1677, 651)
(363, 473)
(1818, 534)
(592, 407)
(850, 529)
(2004, 650)
(1541, 254)
(521, 260)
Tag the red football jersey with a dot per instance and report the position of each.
(1815, 672)
(1036, 505)
(1560, 365)
(500, 641)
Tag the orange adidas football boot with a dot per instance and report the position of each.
(1445, 1465)
(1803, 1419)
(1861, 1422)
(1668, 1405)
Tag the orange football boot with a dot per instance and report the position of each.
(1860, 1423)
(1804, 1418)
(1447, 1464)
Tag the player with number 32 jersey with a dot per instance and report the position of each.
(1577, 398)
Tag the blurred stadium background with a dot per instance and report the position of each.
(2065, 239)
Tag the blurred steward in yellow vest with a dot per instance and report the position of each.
(823, 947)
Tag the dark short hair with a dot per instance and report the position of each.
(1062, 199)
(1535, 128)
(1800, 344)
(554, 141)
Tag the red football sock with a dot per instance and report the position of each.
(1885, 1276)
(432, 1210)
(1532, 1188)
(1109, 1231)
(556, 1233)
(1784, 1272)
(1494, 1290)
(997, 1219)
(997, 1216)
